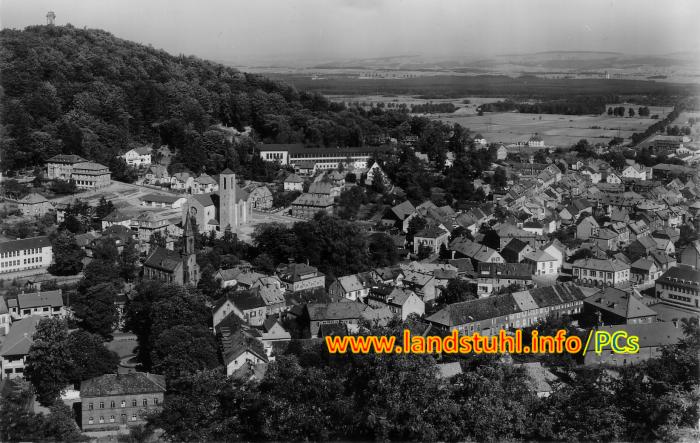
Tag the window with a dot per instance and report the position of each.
(145, 402)
(123, 403)
(111, 419)
(91, 420)
(102, 405)
(111, 405)
(102, 419)
(90, 407)
(133, 403)
(155, 400)
(133, 417)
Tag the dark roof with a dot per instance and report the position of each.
(682, 272)
(236, 343)
(649, 334)
(335, 311)
(557, 294)
(25, 243)
(122, 384)
(294, 271)
(158, 198)
(620, 303)
(163, 259)
(403, 210)
(515, 245)
(521, 271)
(474, 310)
(431, 231)
(65, 158)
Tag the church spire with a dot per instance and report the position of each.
(188, 233)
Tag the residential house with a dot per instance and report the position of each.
(516, 250)
(347, 313)
(15, 347)
(116, 218)
(389, 275)
(298, 277)
(424, 284)
(537, 304)
(111, 401)
(431, 237)
(43, 304)
(605, 239)
(556, 249)
(641, 247)
(169, 266)
(542, 263)
(586, 227)
(260, 196)
(157, 175)
(637, 172)
(352, 287)
(182, 181)
(402, 214)
(293, 183)
(138, 157)
(34, 205)
(644, 271)
(204, 184)
(477, 252)
(400, 301)
(613, 178)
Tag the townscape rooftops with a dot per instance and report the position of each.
(475, 310)
(649, 334)
(132, 383)
(341, 310)
(33, 198)
(39, 299)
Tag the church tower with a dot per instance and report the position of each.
(189, 256)
(228, 204)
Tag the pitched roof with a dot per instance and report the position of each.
(38, 299)
(683, 273)
(19, 338)
(474, 310)
(403, 210)
(132, 383)
(293, 178)
(521, 271)
(65, 158)
(163, 259)
(237, 343)
(539, 256)
(619, 302)
(473, 250)
(597, 264)
(161, 198)
(431, 231)
(649, 334)
(335, 311)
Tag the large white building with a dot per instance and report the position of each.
(28, 256)
(325, 158)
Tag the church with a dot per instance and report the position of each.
(173, 267)
(228, 208)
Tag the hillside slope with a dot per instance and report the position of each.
(86, 92)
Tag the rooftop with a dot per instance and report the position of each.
(122, 384)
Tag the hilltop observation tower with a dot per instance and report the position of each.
(50, 18)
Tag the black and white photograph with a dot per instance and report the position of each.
(349, 221)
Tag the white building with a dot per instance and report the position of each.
(27, 256)
(138, 157)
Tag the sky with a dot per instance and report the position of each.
(324, 30)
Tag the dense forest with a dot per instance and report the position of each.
(86, 92)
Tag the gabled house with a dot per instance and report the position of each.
(294, 183)
(477, 252)
(516, 250)
(400, 301)
(644, 271)
(402, 214)
(351, 287)
(15, 347)
(586, 227)
(541, 262)
(611, 306)
(491, 277)
(431, 237)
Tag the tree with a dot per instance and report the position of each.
(457, 290)
(415, 225)
(96, 310)
(183, 350)
(631, 112)
(64, 187)
(127, 261)
(48, 365)
(378, 186)
(500, 179)
(104, 208)
(89, 356)
(67, 255)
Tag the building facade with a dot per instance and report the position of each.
(27, 256)
(91, 175)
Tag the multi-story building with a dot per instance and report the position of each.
(25, 257)
(113, 400)
(308, 205)
(680, 287)
(495, 276)
(90, 175)
(172, 267)
(34, 204)
(137, 157)
(15, 347)
(325, 158)
(352, 287)
(60, 167)
(300, 277)
(612, 306)
(431, 237)
(599, 272)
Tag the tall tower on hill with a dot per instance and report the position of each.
(189, 256)
(50, 18)
(228, 203)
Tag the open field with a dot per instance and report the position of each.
(409, 100)
(556, 130)
(444, 86)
